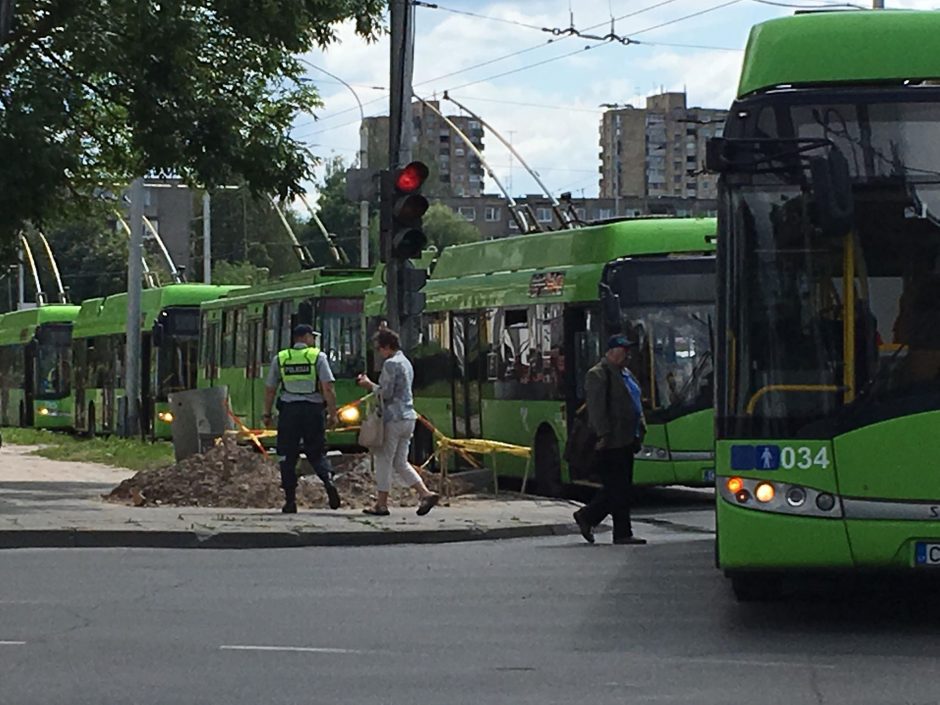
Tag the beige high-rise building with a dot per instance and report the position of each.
(455, 169)
(659, 150)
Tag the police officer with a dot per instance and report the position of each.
(305, 379)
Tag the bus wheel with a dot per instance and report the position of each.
(547, 461)
(756, 587)
(92, 431)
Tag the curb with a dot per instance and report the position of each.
(89, 538)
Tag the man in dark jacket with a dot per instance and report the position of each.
(615, 413)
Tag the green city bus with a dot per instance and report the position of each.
(512, 325)
(828, 382)
(169, 345)
(35, 362)
(242, 331)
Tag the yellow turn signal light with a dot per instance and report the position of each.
(764, 492)
(165, 416)
(349, 415)
(43, 411)
(735, 485)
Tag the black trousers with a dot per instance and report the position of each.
(302, 425)
(615, 468)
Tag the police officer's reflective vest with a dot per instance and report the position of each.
(298, 368)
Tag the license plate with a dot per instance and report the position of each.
(926, 554)
(708, 476)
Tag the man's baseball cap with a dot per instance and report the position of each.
(621, 341)
(303, 329)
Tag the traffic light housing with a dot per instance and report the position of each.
(402, 209)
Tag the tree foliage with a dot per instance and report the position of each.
(445, 228)
(238, 273)
(96, 92)
(339, 216)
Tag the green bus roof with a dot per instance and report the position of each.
(323, 281)
(107, 316)
(20, 326)
(500, 272)
(843, 47)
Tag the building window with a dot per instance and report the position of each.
(474, 125)
(543, 215)
(604, 213)
(581, 213)
(513, 225)
(492, 214)
(459, 152)
(467, 213)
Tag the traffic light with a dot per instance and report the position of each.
(403, 207)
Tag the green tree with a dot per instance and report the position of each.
(445, 228)
(238, 273)
(338, 215)
(96, 92)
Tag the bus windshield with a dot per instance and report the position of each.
(177, 355)
(670, 303)
(340, 324)
(834, 322)
(53, 361)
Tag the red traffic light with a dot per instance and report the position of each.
(410, 178)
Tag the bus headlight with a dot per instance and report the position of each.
(825, 502)
(43, 411)
(796, 496)
(165, 416)
(350, 415)
(764, 492)
(653, 453)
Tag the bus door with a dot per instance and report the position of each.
(27, 415)
(582, 348)
(465, 339)
(148, 373)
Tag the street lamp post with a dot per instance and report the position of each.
(363, 164)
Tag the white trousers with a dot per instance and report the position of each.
(393, 456)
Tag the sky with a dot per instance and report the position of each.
(543, 91)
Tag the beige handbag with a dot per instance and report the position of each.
(372, 430)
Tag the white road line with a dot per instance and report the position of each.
(12, 643)
(302, 649)
(748, 662)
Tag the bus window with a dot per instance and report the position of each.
(241, 339)
(340, 326)
(229, 334)
(287, 325)
(432, 361)
(272, 330)
(53, 362)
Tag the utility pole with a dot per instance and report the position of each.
(135, 277)
(399, 130)
(877, 4)
(206, 238)
(364, 203)
(6, 19)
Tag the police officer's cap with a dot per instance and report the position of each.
(303, 329)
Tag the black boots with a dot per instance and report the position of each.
(333, 494)
(290, 501)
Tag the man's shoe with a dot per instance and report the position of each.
(587, 531)
(630, 541)
(428, 503)
(289, 508)
(333, 494)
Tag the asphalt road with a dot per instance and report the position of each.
(525, 621)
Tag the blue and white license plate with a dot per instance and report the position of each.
(926, 554)
(708, 476)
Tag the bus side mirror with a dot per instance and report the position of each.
(611, 306)
(718, 155)
(831, 184)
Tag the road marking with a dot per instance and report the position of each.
(748, 662)
(302, 649)
(12, 643)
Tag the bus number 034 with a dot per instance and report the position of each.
(803, 458)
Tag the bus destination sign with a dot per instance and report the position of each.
(547, 284)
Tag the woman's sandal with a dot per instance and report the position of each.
(376, 511)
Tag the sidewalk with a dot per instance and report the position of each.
(55, 504)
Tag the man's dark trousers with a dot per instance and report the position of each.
(300, 422)
(615, 468)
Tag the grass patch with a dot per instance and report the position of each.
(116, 452)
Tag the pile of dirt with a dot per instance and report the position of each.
(230, 475)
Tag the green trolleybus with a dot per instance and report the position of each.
(242, 332)
(35, 367)
(828, 392)
(512, 325)
(169, 347)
